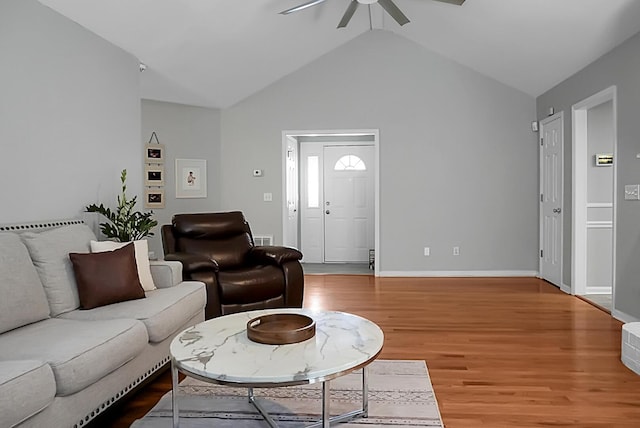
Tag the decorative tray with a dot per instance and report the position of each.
(281, 329)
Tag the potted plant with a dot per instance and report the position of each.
(124, 224)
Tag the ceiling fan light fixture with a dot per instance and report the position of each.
(388, 5)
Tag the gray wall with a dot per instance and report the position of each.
(600, 140)
(187, 133)
(620, 67)
(458, 159)
(69, 116)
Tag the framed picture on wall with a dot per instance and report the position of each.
(191, 178)
(154, 198)
(154, 153)
(153, 175)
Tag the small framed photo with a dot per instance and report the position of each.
(154, 198)
(154, 175)
(154, 153)
(191, 178)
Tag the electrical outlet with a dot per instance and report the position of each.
(456, 251)
(427, 251)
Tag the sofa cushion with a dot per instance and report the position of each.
(50, 254)
(163, 312)
(26, 387)
(142, 258)
(79, 353)
(20, 286)
(107, 277)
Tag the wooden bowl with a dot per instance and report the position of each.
(281, 329)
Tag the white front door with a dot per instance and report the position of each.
(348, 203)
(551, 150)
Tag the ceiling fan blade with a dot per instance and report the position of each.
(302, 6)
(456, 2)
(351, 9)
(393, 10)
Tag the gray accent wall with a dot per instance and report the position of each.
(458, 159)
(187, 132)
(600, 135)
(69, 116)
(620, 67)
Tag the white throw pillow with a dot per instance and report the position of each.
(142, 258)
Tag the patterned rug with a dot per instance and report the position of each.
(400, 395)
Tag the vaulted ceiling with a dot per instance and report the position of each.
(215, 53)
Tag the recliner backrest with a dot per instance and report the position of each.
(224, 237)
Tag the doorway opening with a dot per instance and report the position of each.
(331, 204)
(594, 206)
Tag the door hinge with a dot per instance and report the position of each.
(542, 141)
(541, 197)
(541, 252)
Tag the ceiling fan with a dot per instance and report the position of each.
(388, 5)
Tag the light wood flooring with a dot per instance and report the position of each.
(501, 352)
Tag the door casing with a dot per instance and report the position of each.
(579, 189)
(295, 134)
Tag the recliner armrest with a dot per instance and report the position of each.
(274, 254)
(193, 262)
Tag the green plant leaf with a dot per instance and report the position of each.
(124, 224)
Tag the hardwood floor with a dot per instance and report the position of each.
(501, 352)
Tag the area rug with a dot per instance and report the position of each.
(400, 395)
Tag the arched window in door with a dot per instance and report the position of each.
(350, 163)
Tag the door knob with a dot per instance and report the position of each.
(327, 212)
(557, 210)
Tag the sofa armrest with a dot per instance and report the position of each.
(166, 273)
(274, 254)
(193, 262)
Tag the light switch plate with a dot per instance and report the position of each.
(268, 197)
(632, 192)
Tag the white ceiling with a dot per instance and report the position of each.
(215, 53)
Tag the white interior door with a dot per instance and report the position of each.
(551, 151)
(348, 203)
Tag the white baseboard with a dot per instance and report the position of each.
(566, 288)
(599, 290)
(462, 273)
(621, 316)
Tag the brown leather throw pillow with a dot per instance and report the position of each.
(108, 277)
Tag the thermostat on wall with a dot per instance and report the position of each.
(257, 173)
(604, 159)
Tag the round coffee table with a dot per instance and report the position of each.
(219, 351)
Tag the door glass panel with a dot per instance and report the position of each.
(350, 163)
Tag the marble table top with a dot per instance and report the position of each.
(219, 350)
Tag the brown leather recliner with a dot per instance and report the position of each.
(218, 249)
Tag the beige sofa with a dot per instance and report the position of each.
(61, 366)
